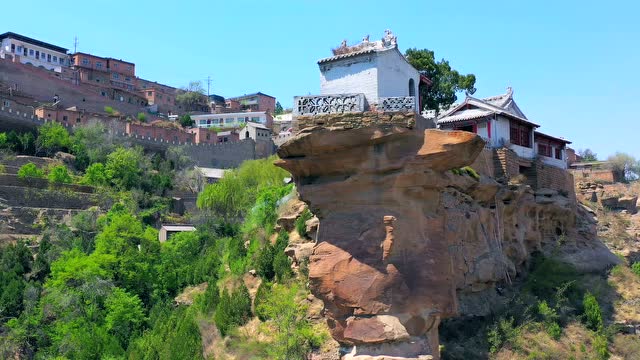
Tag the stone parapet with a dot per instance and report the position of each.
(357, 121)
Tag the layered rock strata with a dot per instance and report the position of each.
(401, 237)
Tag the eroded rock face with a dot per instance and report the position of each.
(400, 236)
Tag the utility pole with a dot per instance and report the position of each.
(75, 44)
(208, 85)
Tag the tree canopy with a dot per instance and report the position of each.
(279, 109)
(588, 155)
(625, 164)
(446, 82)
(191, 96)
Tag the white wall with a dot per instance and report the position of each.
(55, 66)
(523, 152)
(483, 130)
(357, 75)
(239, 119)
(554, 162)
(500, 131)
(394, 73)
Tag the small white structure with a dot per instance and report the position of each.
(369, 76)
(211, 175)
(167, 230)
(255, 131)
(31, 51)
(500, 122)
(376, 69)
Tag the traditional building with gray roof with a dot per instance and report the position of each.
(500, 121)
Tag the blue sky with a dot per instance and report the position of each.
(573, 64)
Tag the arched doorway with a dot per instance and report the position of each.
(412, 88)
(246, 134)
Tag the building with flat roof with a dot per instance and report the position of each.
(169, 229)
(232, 120)
(31, 51)
(253, 102)
(105, 71)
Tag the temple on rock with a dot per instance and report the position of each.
(368, 76)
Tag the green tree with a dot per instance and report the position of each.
(279, 109)
(52, 137)
(237, 191)
(90, 144)
(234, 309)
(124, 167)
(186, 121)
(125, 315)
(446, 82)
(592, 312)
(625, 164)
(294, 336)
(192, 96)
(96, 175)
(142, 117)
(588, 155)
(30, 170)
(59, 174)
(135, 250)
(111, 111)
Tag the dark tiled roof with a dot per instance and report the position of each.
(29, 40)
(537, 133)
(347, 55)
(249, 95)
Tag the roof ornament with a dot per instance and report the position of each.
(365, 39)
(343, 43)
(509, 90)
(389, 40)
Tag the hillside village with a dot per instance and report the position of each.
(143, 221)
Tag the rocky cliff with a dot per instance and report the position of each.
(404, 242)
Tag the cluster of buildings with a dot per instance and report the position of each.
(375, 76)
(216, 119)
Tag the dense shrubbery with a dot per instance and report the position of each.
(104, 288)
(30, 170)
(59, 174)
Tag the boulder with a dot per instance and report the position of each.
(609, 201)
(628, 203)
(401, 237)
(375, 329)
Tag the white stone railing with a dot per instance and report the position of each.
(397, 104)
(328, 104)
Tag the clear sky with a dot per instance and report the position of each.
(573, 64)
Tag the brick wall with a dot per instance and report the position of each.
(551, 177)
(201, 135)
(222, 155)
(603, 175)
(42, 85)
(266, 103)
(160, 133)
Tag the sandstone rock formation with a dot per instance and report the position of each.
(401, 239)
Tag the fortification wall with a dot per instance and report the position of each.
(219, 155)
(602, 175)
